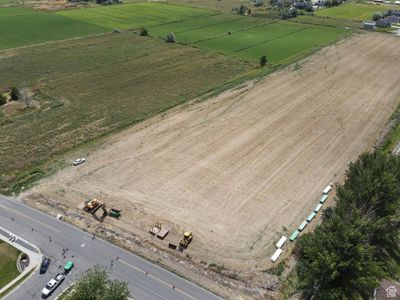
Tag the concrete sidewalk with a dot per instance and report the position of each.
(35, 257)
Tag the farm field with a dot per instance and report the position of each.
(354, 11)
(194, 30)
(23, 26)
(225, 6)
(279, 41)
(134, 15)
(326, 21)
(247, 166)
(88, 87)
(250, 38)
(243, 37)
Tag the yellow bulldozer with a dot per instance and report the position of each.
(187, 238)
(92, 205)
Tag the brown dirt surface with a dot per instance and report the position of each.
(240, 168)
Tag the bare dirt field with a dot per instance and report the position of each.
(239, 168)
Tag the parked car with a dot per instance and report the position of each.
(79, 161)
(68, 267)
(52, 285)
(44, 265)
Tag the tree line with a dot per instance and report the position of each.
(357, 244)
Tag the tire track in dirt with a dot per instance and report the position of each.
(237, 168)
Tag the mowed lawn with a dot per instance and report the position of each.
(280, 42)
(134, 15)
(89, 87)
(22, 26)
(8, 261)
(354, 11)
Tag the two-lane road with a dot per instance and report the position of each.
(145, 279)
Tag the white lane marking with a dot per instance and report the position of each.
(158, 279)
(142, 286)
(28, 217)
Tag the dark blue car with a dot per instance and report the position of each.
(44, 265)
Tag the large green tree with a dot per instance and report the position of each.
(357, 243)
(95, 284)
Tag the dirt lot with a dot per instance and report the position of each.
(239, 168)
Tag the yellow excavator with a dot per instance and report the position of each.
(187, 238)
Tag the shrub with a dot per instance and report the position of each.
(289, 13)
(242, 9)
(3, 99)
(15, 95)
(143, 32)
(170, 38)
(376, 16)
(263, 61)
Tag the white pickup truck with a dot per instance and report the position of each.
(52, 284)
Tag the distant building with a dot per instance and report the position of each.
(369, 25)
(318, 2)
(392, 19)
(382, 23)
(395, 12)
(388, 290)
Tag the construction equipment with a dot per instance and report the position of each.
(172, 246)
(156, 228)
(158, 231)
(92, 205)
(187, 238)
(115, 213)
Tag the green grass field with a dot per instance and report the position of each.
(134, 15)
(326, 21)
(8, 267)
(217, 5)
(244, 37)
(22, 26)
(250, 38)
(89, 87)
(354, 11)
(195, 30)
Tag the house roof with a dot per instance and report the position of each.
(392, 19)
